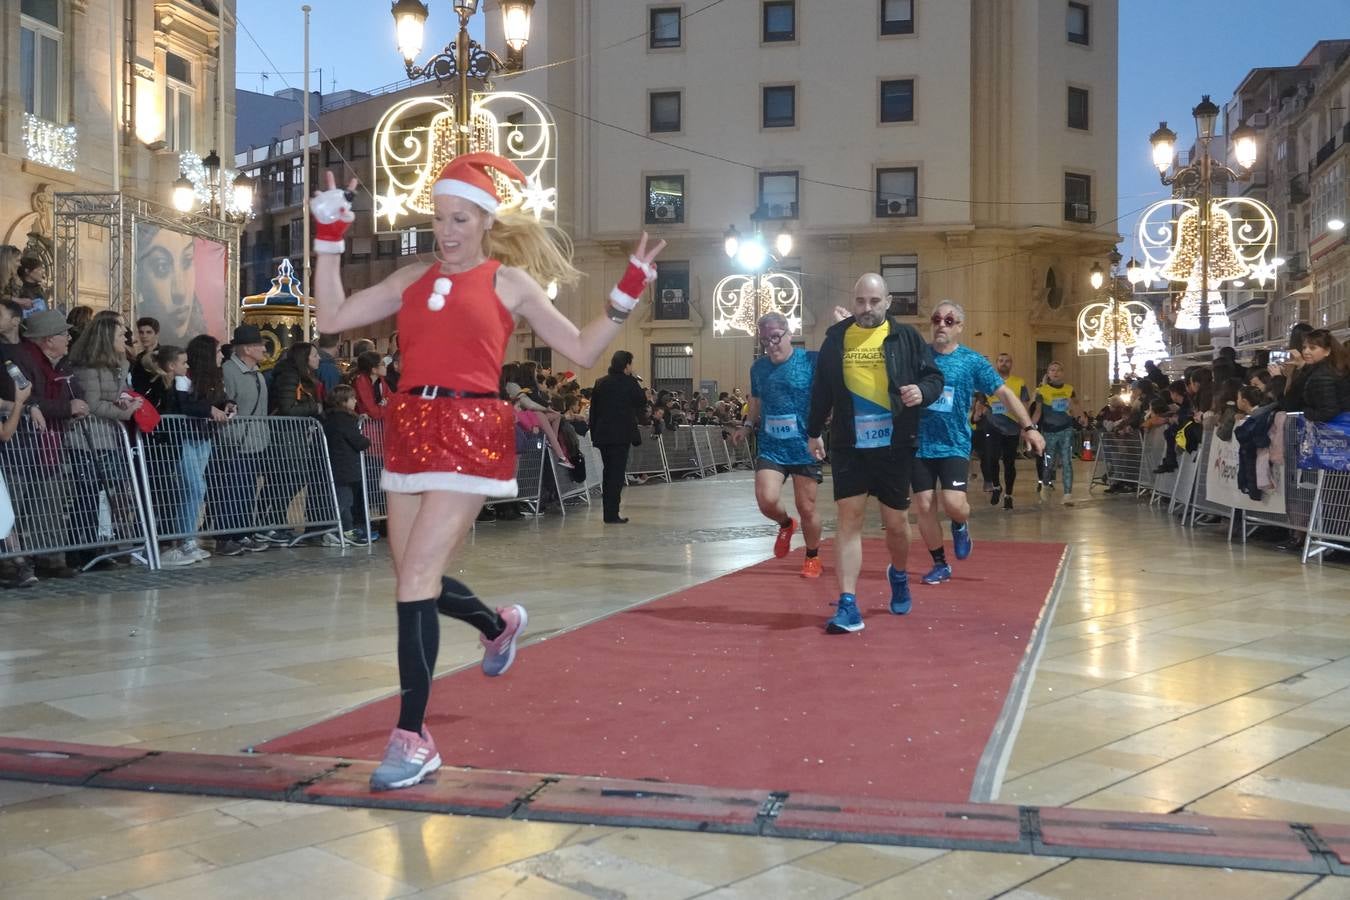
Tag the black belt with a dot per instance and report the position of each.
(432, 391)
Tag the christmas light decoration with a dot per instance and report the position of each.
(740, 300)
(191, 167)
(49, 144)
(415, 138)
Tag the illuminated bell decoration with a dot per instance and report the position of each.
(1225, 262)
(1102, 327)
(279, 313)
(1188, 308)
(736, 308)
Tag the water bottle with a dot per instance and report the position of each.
(16, 375)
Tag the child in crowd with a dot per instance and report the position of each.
(346, 443)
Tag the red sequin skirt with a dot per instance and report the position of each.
(450, 444)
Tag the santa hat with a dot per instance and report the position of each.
(467, 176)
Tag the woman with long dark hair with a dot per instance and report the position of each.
(1326, 383)
(368, 382)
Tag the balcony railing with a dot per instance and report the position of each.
(1298, 189)
(49, 144)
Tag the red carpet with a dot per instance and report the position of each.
(734, 683)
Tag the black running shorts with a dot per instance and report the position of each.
(882, 472)
(811, 470)
(952, 472)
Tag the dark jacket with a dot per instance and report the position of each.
(290, 396)
(53, 386)
(1326, 392)
(909, 360)
(616, 403)
(345, 445)
(1253, 436)
(329, 375)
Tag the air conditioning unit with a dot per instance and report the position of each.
(672, 295)
(1081, 212)
(776, 211)
(664, 212)
(901, 207)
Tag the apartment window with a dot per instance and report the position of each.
(296, 246)
(672, 291)
(901, 274)
(413, 241)
(665, 28)
(778, 195)
(897, 100)
(360, 146)
(780, 20)
(897, 16)
(665, 200)
(1079, 22)
(178, 102)
(1078, 199)
(40, 58)
(1078, 108)
(897, 193)
(283, 241)
(780, 106)
(387, 247)
(664, 111)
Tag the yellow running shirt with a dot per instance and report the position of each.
(865, 378)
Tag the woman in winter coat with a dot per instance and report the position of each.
(1326, 384)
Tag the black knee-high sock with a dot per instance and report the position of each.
(459, 602)
(419, 641)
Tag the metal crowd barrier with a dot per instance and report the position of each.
(74, 488)
(567, 487)
(1200, 503)
(684, 456)
(648, 458)
(1299, 490)
(529, 476)
(372, 463)
(237, 478)
(1188, 464)
(1118, 459)
(1329, 521)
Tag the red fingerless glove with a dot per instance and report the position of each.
(332, 212)
(634, 281)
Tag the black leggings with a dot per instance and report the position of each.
(1000, 447)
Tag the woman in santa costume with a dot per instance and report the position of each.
(450, 440)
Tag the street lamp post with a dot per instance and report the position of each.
(1197, 180)
(227, 202)
(463, 59)
(754, 257)
(1097, 278)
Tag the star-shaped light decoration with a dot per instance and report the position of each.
(1262, 272)
(391, 206)
(794, 324)
(537, 199)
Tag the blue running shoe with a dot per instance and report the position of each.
(846, 617)
(939, 573)
(900, 599)
(961, 540)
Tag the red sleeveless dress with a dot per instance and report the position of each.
(452, 443)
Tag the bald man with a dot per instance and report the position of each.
(873, 374)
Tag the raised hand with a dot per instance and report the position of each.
(332, 212)
(646, 257)
(640, 273)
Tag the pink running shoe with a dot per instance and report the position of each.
(407, 760)
(499, 653)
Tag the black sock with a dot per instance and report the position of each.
(812, 554)
(939, 556)
(459, 602)
(419, 641)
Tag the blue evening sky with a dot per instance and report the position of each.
(1170, 53)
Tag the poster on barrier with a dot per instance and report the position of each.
(1221, 484)
(1324, 445)
(179, 281)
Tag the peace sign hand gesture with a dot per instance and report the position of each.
(332, 211)
(641, 272)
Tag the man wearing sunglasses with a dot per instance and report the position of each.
(944, 437)
(780, 398)
(872, 375)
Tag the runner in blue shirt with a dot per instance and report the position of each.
(944, 437)
(780, 398)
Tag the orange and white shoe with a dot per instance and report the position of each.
(811, 567)
(783, 544)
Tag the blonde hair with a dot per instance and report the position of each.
(543, 251)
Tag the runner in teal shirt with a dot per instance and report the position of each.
(780, 398)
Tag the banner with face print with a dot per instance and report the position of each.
(179, 280)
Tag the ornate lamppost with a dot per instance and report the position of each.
(741, 298)
(225, 198)
(1204, 223)
(1115, 323)
(463, 59)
